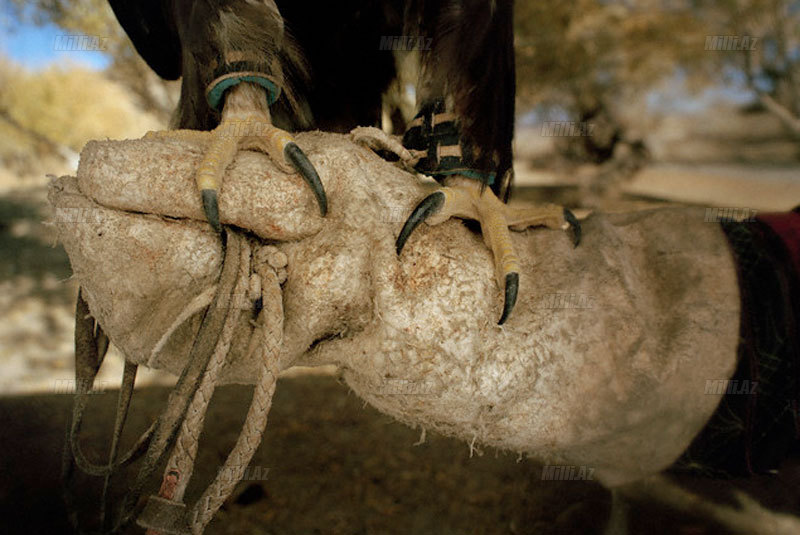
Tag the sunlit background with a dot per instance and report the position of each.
(622, 105)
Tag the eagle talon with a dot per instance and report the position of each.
(244, 127)
(574, 224)
(426, 208)
(211, 208)
(464, 198)
(512, 288)
(295, 155)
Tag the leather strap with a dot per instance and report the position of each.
(435, 137)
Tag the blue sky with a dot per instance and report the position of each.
(33, 46)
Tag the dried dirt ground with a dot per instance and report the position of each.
(328, 464)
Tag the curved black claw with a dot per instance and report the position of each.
(426, 208)
(299, 161)
(575, 225)
(211, 208)
(512, 287)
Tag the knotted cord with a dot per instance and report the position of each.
(182, 420)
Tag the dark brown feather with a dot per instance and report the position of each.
(327, 59)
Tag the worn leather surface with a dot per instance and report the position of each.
(603, 362)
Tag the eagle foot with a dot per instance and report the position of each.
(243, 129)
(377, 140)
(467, 198)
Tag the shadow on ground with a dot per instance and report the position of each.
(29, 247)
(328, 464)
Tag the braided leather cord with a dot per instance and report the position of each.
(202, 350)
(181, 463)
(270, 327)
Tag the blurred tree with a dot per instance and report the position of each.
(70, 106)
(761, 40)
(55, 111)
(592, 58)
(95, 18)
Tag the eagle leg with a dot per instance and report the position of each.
(467, 198)
(245, 125)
